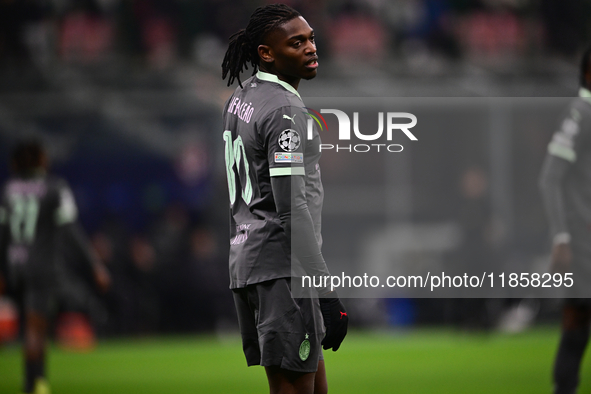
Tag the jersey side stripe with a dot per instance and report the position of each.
(563, 152)
(287, 171)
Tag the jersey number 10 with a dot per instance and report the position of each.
(235, 154)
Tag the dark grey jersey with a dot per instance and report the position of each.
(566, 175)
(31, 211)
(266, 136)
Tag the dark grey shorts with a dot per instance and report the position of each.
(278, 330)
(40, 298)
(36, 294)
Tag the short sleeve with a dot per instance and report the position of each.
(67, 211)
(284, 133)
(568, 140)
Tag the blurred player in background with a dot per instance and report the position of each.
(276, 201)
(37, 218)
(566, 189)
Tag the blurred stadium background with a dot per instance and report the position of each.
(127, 96)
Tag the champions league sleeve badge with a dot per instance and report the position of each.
(289, 140)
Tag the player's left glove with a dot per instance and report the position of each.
(335, 321)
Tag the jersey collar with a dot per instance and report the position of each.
(263, 76)
(585, 94)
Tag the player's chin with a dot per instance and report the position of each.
(309, 74)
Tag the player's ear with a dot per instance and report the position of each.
(266, 53)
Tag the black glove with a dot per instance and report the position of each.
(335, 321)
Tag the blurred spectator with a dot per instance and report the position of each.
(15, 16)
(111, 245)
(496, 35)
(475, 219)
(147, 305)
(170, 237)
(85, 36)
(476, 252)
(421, 25)
(356, 34)
(158, 22)
(210, 300)
(565, 24)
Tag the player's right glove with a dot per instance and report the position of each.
(335, 321)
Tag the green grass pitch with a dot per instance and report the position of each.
(415, 361)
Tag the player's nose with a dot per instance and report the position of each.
(310, 48)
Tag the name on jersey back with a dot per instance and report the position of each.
(241, 109)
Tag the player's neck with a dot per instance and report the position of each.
(33, 173)
(294, 82)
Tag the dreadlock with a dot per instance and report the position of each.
(585, 67)
(243, 47)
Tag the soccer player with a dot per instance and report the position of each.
(38, 214)
(565, 183)
(275, 202)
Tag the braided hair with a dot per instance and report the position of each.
(243, 47)
(27, 157)
(585, 67)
